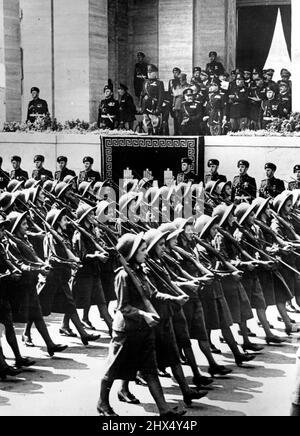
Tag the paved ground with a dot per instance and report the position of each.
(68, 385)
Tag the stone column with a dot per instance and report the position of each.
(296, 54)
(10, 61)
(215, 28)
(175, 37)
(37, 51)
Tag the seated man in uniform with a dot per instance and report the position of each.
(89, 175)
(63, 170)
(40, 173)
(37, 107)
(271, 187)
(244, 187)
(17, 173)
(213, 175)
(4, 177)
(296, 183)
(186, 175)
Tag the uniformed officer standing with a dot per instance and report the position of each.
(285, 98)
(238, 105)
(186, 175)
(257, 94)
(248, 77)
(4, 177)
(271, 187)
(214, 68)
(63, 170)
(127, 108)
(37, 107)
(296, 183)
(40, 173)
(175, 82)
(140, 74)
(196, 79)
(17, 173)
(192, 114)
(108, 113)
(244, 188)
(89, 175)
(213, 175)
(215, 109)
(152, 98)
(271, 107)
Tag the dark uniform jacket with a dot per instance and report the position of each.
(272, 108)
(19, 174)
(192, 116)
(127, 109)
(89, 176)
(152, 96)
(294, 185)
(108, 114)
(60, 175)
(140, 75)
(285, 101)
(215, 178)
(42, 174)
(187, 177)
(4, 179)
(215, 68)
(35, 108)
(244, 186)
(271, 188)
(238, 105)
(215, 108)
(255, 107)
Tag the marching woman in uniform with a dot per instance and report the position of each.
(133, 343)
(87, 287)
(55, 294)
(166, 346)
(27, 304)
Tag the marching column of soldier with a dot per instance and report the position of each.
(69, 243)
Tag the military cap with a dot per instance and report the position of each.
(188, 91)
(270, 72)
(140, 53)
(62, 159)
(285, 71)
(176, 69)
(244, 163)
(39, 158)
(183, 75)
(256, 71)
(240, 76)
(128, 245)
(15, 219)
(34, 88)
(16, 159)
(283, 83)
(152, 68)
(247, 70)
(197, 69)
(124, 87)
(272, 88)
(186, 160)
(88, 159)
(296, 169)
(259, 78)
(213, 162)
(204, 73)
(106, 87)
(212, 53)
(270, 166)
